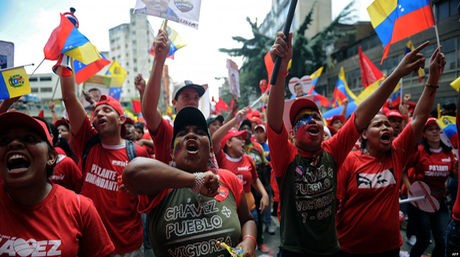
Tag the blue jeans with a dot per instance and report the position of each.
(427, 223)
(453, 238)
(258, 220)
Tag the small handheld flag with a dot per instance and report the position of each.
(234, 252)
(14, 82)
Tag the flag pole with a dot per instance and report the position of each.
(11, 68)
(55, 87)
(436, 26)
(287, 27)
(33, 72)
(257, 100)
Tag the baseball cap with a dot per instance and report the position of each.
(190, 116)
(262, 126)
(300, 104)
(232, 133)
(213, 118)
(431, 121)
(336, 117)
(110, 101)
(394, 113)
(15, 118)
(189, 84)
(62, 121)
(247, 123)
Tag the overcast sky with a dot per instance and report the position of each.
(28, 24)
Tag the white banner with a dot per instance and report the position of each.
(182, 11)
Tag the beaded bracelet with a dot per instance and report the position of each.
(199, 181)
(253, 238)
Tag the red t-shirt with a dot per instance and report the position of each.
(284, 152)
(368, 194)
(118, 210)
(63, 224)
(162, 139)
(67, 173)
(433, 169)
(456, 207)
(244, 169)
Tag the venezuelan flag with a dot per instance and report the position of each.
(315, 76)
(342, 91)
(84, 72)
(14, 82)
(175, 40)
(66, 39)
(456, 84)
(410, 47)
(394, 20)
(117, 73)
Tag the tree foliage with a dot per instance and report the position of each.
(308, 54)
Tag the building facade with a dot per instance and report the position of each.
(346, 55)
(129, 45)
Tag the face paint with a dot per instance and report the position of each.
(305, 119)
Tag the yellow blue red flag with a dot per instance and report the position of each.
(394, 20)
(66, 39)
(117, 73)
(14, 82)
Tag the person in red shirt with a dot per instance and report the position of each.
(453, 228)
(104, 164)
(229, 148)
(307, 168)
(190, 208)
(369, 179)
(188, 94)
(39, 218)
(433, 163)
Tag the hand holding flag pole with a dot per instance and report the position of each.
(286, 29)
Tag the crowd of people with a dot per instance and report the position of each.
(98, 184)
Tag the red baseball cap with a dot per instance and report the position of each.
(336, 117)
(301, 104)
(15, 118)
(393, 113)
(62, 121)
(110, 101)
(431, 121)
(232, 133)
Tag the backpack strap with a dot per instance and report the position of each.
(91, 142)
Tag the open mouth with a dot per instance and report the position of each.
(191, 146)
(17, 163)
(385, 138)
(313, 130)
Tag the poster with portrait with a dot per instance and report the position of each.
(233, 78)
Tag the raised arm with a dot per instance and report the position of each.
(425, 102)
(53, 112)
(222, 131)
(75, 110)
(372, 104)
(283, 49)
(6, 104)
(152, 91)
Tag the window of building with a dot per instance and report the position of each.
(33, 79)
(443, 10)
(46, 89)
(450, 60)
(34, 90)
(45, 78)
